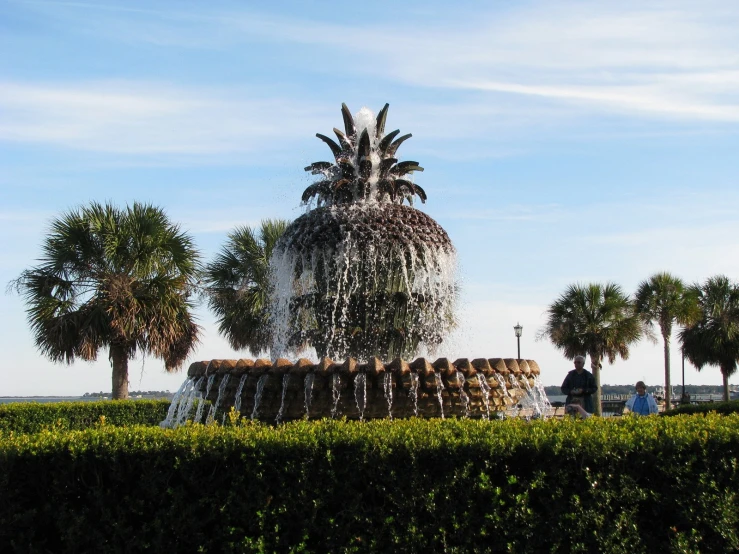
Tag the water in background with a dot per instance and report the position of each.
(47, 399)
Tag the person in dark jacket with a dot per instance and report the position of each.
(579, 386)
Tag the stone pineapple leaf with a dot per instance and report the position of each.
(335, 148)
(319, 167)
(381, 117)
(393, 148)
(351, 129)
(404, 168)
(385, 142)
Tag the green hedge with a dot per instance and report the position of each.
(32, 417)
(601, 485)
(724, 408)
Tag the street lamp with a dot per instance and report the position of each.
(518, 330)
(682, 398)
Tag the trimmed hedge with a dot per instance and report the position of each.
(601, 485)
(32, 417)
(724, 408)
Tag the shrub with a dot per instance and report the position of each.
(724, 408)
(32, 417)
(599, 485)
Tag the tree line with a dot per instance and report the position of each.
(601, 321)
(150, 393)
(126, 280)
(692, 390)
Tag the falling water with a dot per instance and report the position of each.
(439, 387)
(532, 400)
(387, 385)
(201, 403)
(426, 274)
(485, 391)
(175, 401)
(506, 394)
(542, 396)
(212, 412)
(186, 404)
(414, 392)
(336, 392)
(463, 395)
(308, 386)
(237, 398)
(526, 399)
(360, 391)
(258, 395)
(281, 411)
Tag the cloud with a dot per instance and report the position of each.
(144, 118)
(498, 75)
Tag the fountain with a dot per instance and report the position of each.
(365, 278)
(282, 390)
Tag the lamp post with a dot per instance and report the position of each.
(518, 330)
(682, 398)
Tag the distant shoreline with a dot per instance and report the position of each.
(87, 398)
(41, 396)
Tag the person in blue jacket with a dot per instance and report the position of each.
(642, 403)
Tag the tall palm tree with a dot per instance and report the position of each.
(237, 285)
(714, 338)
(664, 299)
(116, 279)
(596, 320)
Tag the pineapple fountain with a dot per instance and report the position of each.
(368, 281)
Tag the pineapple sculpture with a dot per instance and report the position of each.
(363, 274)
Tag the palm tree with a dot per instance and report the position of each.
(664, 299)
(237, 285)
(119, 279)
(593, 319)
(714, 338)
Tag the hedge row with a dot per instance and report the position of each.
(32, 417)
(724, 408)
(601, 485)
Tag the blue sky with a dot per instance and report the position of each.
(562, 142)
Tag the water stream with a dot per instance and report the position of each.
(186, 386)
(281, 411)
(387, 385)
(185, 406)
(336, 393)
(201, 402)
(308, 388)
(463, 396)
(485, 393)
(415, 382)
(512, 404)
(239, 389)
(258, 395)
(439, 387)
(213, 407)
(360, 393)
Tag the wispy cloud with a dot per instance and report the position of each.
(144, 118)
(672, 59)
(523, 70)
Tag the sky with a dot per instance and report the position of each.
(563, 142)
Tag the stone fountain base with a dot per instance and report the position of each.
(283, 390)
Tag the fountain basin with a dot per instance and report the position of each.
(283, 390)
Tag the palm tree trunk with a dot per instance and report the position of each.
(668, 384)
(120, 372)
(595, 366)
(725, 375)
